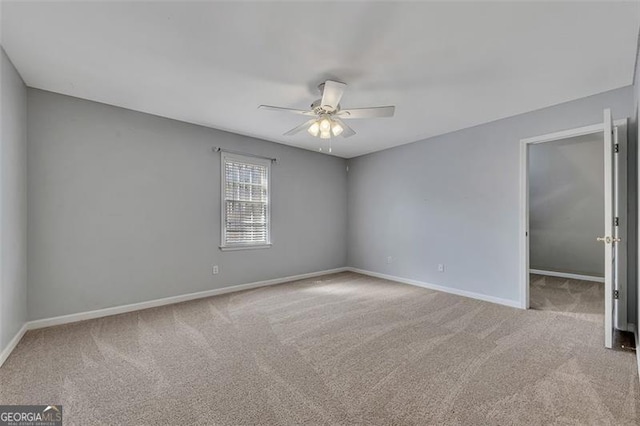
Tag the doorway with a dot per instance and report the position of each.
(561, 220)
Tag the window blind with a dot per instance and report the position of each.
(246, 201)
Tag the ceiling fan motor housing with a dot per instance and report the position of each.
(316, 107)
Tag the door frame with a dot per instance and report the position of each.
(524, 208)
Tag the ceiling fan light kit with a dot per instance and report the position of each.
(328, 115)
(324, 127)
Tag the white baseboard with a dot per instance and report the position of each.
(567, 275)
(12, 344)
(464, 293)
(82, 316)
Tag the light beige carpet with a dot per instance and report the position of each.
(342, 349)
(574, 298)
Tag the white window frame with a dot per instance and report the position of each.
(223, 213)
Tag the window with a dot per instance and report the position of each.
(245, 202)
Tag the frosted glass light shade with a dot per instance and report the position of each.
(314, 129)
(336, 129)
(325, 125)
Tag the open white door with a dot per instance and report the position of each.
(609, 239)
(620, 225)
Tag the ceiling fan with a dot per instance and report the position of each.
(327, 115)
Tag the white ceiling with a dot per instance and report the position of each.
(445, 66)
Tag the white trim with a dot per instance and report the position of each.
(99, 313)
(249, 159)
(12, 344)
(610, 260)
(567, 275)
(450, 290)
(245, 247)
(524, 196)
(564, 134)
(635, 333)
(524, 225)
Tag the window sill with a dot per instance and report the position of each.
(252, 247)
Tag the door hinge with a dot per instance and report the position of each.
(616, 148)
(616, 294)
(616, 221)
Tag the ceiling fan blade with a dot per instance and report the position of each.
(331, 95)
(374, 112)
(295, 111)
(301, 127)
(347, 131)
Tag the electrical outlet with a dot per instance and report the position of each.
(440, 267)
(389, 260)
(215, 270)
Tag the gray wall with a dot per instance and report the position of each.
(566, 205)
(454, 199)
(124, 207)
(13, 201)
